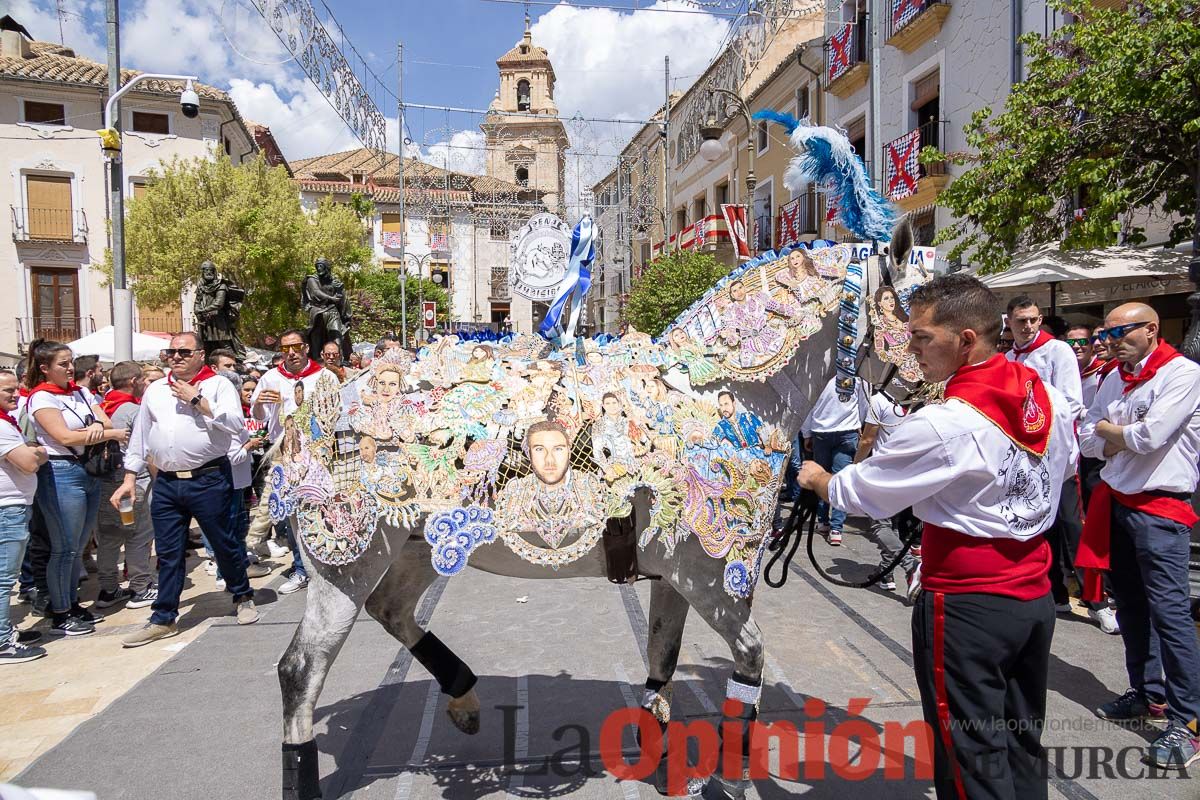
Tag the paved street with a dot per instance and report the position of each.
(206, 723)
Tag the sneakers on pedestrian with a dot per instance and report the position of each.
(1176, 749)
(247, 614)
(1106, 618)
(294, 583)
(1062, 608)
(888, 583)
(27, 595)
(79, 612)
(835, 538)
(277, 550)
(144, 598)
(17, 652)
(1130, 707)
(150, 632)
(29, 637)
(40, 606)
(220, 584)
(210, 567)
(71, 626)
(106, 599)
(259, 570)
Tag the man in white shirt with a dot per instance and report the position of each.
(1055, 362)
(273, 402)
(19, 463)
(1145, 424)
(185, 427)
(830, 433)
(983, 471)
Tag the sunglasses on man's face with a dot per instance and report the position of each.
(292, 348)
(181, 352)
(1084, 342)
(1119, 331)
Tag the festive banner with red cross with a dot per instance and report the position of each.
(904, 11)
(837, 61)
(903, 169)
(789, 223)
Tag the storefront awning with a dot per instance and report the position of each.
(1083, 277)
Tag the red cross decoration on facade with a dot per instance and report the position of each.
(838, 59)
(789, 223)
(904, 11)
(903, 169)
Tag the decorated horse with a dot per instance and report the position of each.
(636, 458)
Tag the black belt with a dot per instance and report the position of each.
(184, 474)
(64, 458)
(1184, 496)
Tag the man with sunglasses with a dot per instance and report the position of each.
(273, 402)
(1054, 362)
(1145, 424)
(184, 428)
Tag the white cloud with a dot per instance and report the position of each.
(302, 120)
(463, 152)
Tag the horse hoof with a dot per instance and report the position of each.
(301, 774)
(720, 789)
(464, 712)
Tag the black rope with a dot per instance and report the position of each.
(804, 511)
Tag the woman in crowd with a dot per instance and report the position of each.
(67, 419)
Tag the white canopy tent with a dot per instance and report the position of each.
(1080, 277)
(100, 343)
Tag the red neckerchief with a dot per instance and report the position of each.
(245, 411)
(1109, 366)
(1161, 355)
(54, 388)
(1091, 369)
(1095, 542)
(115, 399)
(23, 392)
(7, 417)
(204, 374)
(1011, 396)
(1037, 342)
(309, 368)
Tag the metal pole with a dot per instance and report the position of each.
(122, 298)
(666, 151)
(874, 24)
(403, 222)
(1191, 342)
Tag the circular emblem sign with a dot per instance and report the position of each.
(538, 257)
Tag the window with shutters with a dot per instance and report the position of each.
(925, 102)
(802, 102)
(55, 303)
(45, 113)
(147, 122)
(48, 213)
(138, 188)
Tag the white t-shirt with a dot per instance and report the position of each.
(276, 413)
(16, 486)
(75, 408)
(885, 414)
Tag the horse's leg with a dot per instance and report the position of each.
(329, 614)
(394, 605)
(732, 620)
(668, 612)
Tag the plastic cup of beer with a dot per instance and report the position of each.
(126, 509)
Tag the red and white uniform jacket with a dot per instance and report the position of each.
(984, 471)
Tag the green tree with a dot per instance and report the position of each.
(375, 301)
(670, 284)
(1108, 119)
(246, 219)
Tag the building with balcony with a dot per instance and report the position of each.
(56, 191)
(454, 229)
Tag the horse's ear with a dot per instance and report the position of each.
(901, 244)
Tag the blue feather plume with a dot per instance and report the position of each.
(827, 160)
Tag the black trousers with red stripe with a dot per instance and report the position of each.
(981, 662)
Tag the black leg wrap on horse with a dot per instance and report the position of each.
(451, 673)
(301, 774)
(620, 550)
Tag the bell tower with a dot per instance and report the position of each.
(525, 139)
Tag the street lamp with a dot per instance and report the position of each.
(420, 262)
(189, 103)
(711, 148)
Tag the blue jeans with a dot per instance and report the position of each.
(37, 555)
(239, 521)
(1149, 560)
(207, 499)
(834, 452)
(68, 498)
(14, 532)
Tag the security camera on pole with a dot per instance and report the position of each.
(110, 138)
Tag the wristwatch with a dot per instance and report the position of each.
(195, 401)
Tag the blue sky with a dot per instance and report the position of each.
(609, 62)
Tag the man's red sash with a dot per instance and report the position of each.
(1096, 541)
(309, 368)
(1039, 340)
(955, 563)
